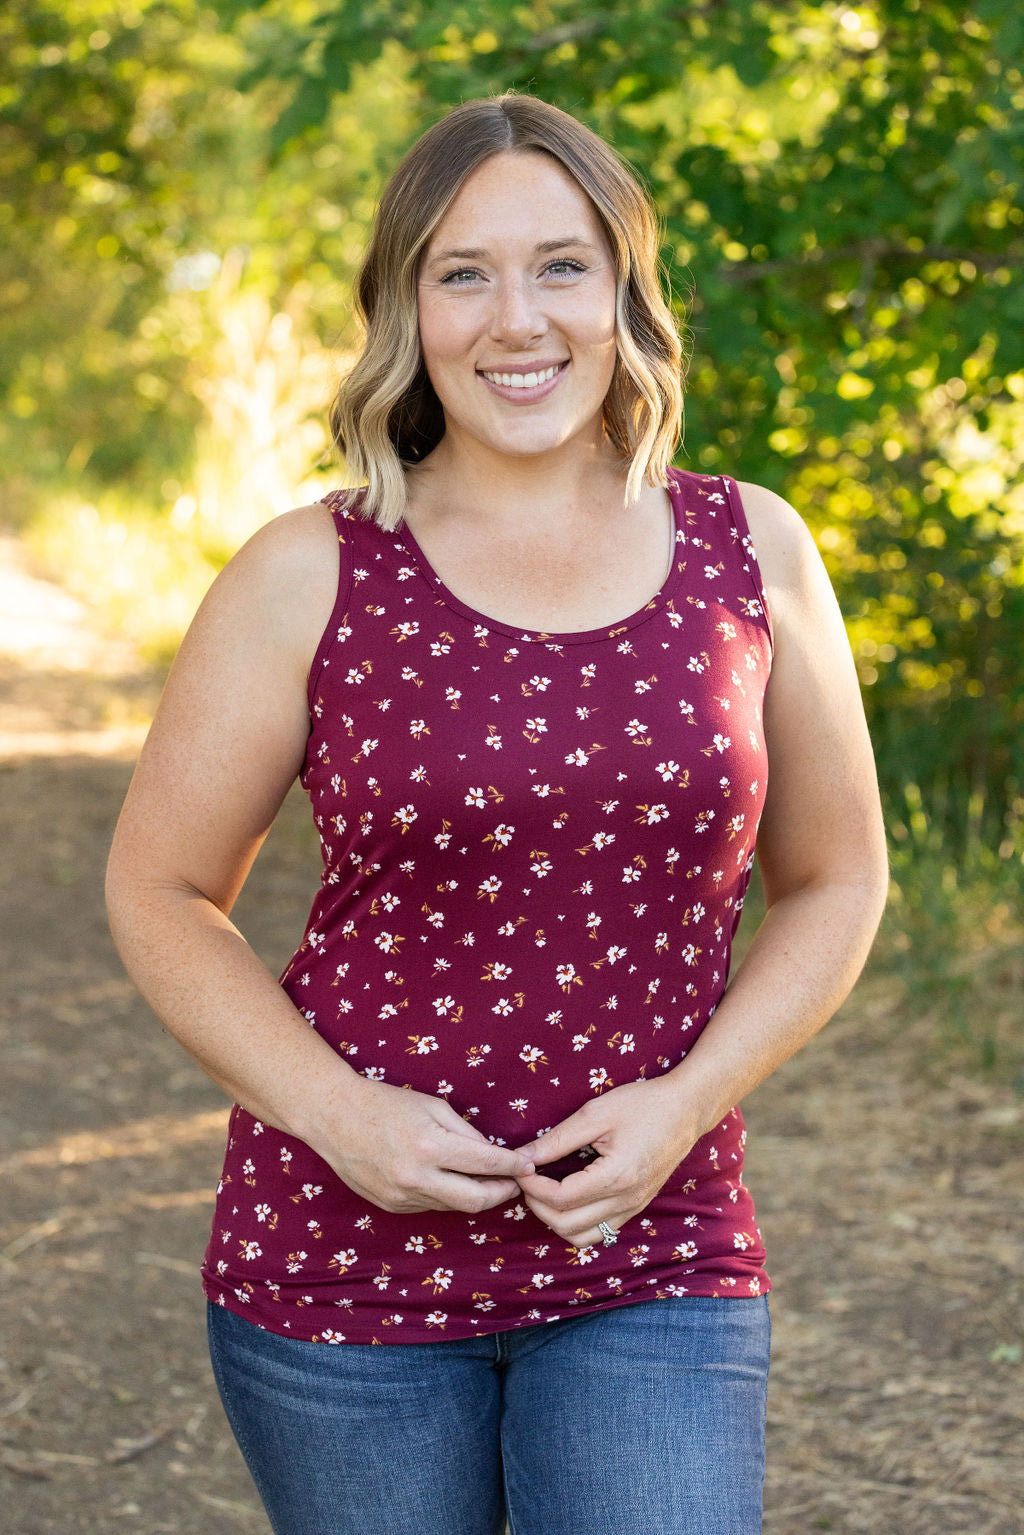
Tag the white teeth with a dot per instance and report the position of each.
(523, 380)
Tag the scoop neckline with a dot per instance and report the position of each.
(553, 637)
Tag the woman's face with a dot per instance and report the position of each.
(517, 308)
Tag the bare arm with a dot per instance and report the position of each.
(821, 843)
(821, 849)
(227, 742)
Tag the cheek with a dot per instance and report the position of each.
(435, 335)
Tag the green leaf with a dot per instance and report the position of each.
(307, 109)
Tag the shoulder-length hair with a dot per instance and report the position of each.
(386, 415)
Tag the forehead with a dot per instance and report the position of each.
(518, 193)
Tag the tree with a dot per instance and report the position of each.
(841, 193)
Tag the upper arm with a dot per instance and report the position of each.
(822, 818)
(230, 733)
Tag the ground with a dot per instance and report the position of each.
(888, 1190)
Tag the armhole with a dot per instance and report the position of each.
(337, 503)
(739, 521)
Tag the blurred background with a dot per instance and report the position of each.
(186, 192)
(186, 189)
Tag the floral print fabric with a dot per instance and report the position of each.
(536, 849)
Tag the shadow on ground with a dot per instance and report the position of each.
(889, 1199)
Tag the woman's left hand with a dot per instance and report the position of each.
(641, 1134)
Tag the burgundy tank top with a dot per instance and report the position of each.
(536, 848)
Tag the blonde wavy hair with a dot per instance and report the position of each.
(386, 415)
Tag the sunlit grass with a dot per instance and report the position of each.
(953, 935)
(141, 577)
(142, 563)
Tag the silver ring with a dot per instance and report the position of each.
(610, 1236)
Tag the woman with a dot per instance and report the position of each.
(488, 1115)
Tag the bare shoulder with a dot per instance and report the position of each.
(295, 554)
(280, 588)
(786, 552)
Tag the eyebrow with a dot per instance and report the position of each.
(563, 242)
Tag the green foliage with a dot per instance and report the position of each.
(841, 195)
(841, 192)
(133, 166)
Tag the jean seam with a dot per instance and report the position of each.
(242, 1440)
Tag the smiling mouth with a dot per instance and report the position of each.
(524, 380)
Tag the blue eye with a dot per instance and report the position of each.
(460, 278)
(565, 268)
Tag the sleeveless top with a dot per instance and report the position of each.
(535, 853)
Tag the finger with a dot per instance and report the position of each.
(590, 1184)
(580, 1224)
(453, 1191)
(571, 1135)
(463, 1155)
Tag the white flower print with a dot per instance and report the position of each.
(652, 814)
(538, 899)
(389, 943)
(422, 1044)
(530, 1055)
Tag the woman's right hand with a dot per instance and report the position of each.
(408, 1151)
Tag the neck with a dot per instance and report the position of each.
(525, 490)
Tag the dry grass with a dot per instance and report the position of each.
(887, 1181)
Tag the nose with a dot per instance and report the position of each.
(518, 316)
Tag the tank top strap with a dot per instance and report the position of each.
(749, 564)
(340, 504)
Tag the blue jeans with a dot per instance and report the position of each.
(645, 1419)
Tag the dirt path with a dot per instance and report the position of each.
(890, 1203)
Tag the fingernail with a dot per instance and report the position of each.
(530, 1168)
